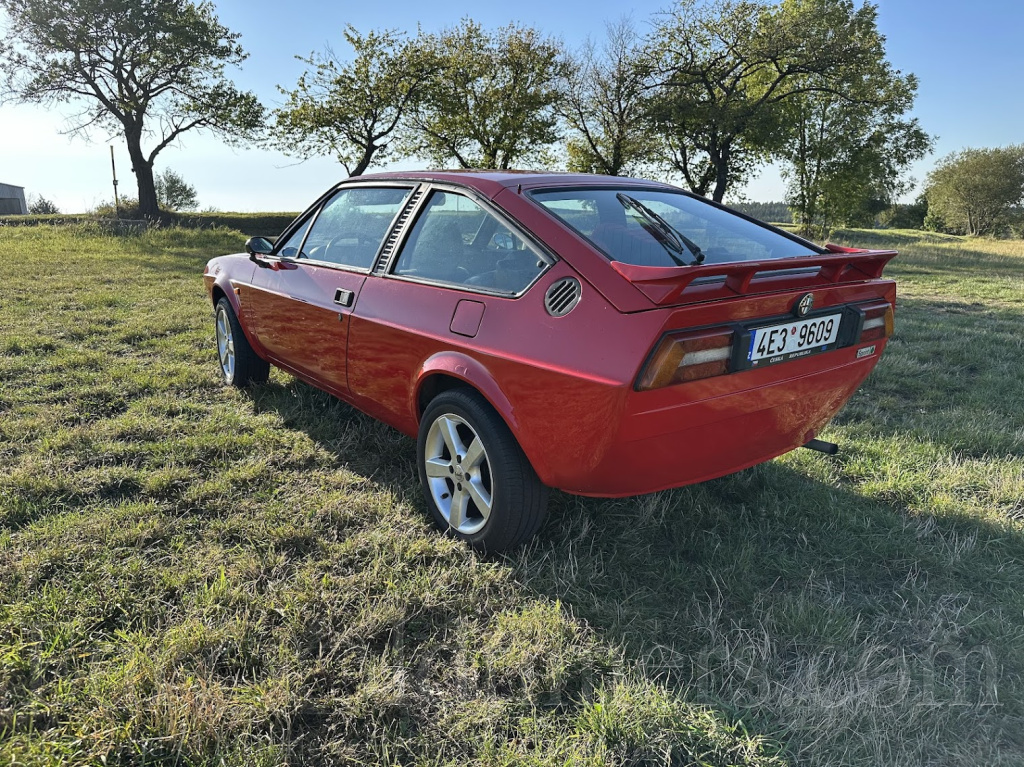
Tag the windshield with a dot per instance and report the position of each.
(653, 227)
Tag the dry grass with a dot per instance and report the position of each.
(189, 575)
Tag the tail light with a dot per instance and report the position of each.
(878, 322)
(688, 356)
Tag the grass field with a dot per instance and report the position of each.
(190, 575)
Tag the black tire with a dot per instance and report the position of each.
(504, 476)
(239, 365)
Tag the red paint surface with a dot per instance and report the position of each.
(467, 317)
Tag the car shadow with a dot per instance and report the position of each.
(358, 442)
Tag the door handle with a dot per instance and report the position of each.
(343, 297)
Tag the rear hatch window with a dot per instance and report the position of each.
(657, 227)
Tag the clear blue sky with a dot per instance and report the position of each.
(969, 58)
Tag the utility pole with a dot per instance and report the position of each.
(113, 170)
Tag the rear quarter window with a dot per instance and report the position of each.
(457, 242)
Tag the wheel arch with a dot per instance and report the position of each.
(222, 288)
(449, 370)
(217, 293)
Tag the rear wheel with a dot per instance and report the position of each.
(239, 365)
(478, 484)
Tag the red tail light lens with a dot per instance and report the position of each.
(688, 356)
(878, 322)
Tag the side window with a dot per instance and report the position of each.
(458, 242)
(352, 224)
(290, 247)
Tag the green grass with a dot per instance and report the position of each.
(192, 575)
(252, 224)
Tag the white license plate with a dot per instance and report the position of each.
(778, 343)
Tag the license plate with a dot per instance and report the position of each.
(799, 338)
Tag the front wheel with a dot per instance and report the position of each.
(478, 484)
(239, 365)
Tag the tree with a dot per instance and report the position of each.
(904, 215)
(849, 141)
(604, 105)
(40, 206)
(846, 162)
(490, 99)
(149, 69)
(724, 71)
(351, 110)
(976, 191)
(174, 193)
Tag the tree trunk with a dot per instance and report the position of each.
(364, 161)
(721, 175)
(143, 170)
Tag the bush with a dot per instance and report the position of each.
(40, 206)
(906, 216)
(174, 193)
(250, 224)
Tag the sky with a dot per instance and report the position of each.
(968, 57)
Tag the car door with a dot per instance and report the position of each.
(300, 304)
(456, 275)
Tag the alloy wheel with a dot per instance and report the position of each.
(225, 344)
(458, 473)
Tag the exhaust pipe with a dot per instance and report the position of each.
(828, 448)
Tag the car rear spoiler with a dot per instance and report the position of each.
(667, 285)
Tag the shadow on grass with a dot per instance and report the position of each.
(804, 609)
(801, 607)
(855, 626)
(358, 442)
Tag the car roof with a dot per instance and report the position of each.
(491, 182)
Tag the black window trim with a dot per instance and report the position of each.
(387, 270)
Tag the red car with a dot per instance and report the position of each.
(604, 336)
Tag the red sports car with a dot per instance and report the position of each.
(604, 336)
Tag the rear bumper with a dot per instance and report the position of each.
(662, 444)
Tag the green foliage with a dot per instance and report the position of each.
(848, 140)
(604, 105)
(268, 225)
(152, 68)
(481, 98)
(906, 215)
(713, 105)
(351, 110)
(490, 99)
(975, 191)
(40, 206)
(771, 212)
(174, 193)
(727, 71)
(127, 207)
(59, 219)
